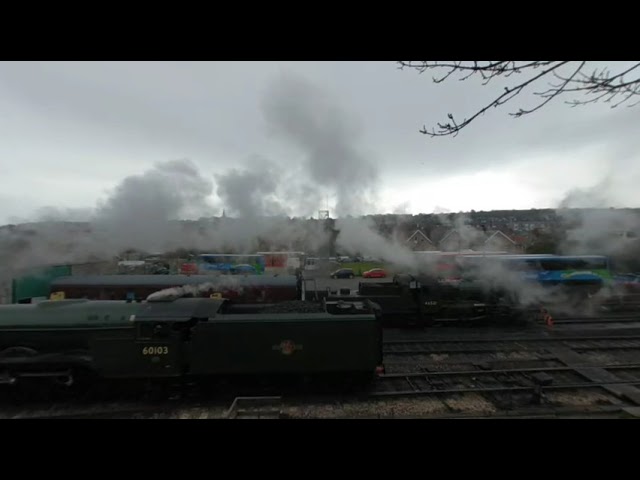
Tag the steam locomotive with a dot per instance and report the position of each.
(509, 288)
(58, 342)
(421, 300)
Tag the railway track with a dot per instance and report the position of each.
(564, 320)
(505, 344)
(241, 407)
(516, 392)
(122, 409)
(132, 411)
(632, 318)
(511, 380)
(553, 412)
(557, 366)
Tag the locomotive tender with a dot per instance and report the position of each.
(185, 338)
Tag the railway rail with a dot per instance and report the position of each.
(632, 318)
(487, 320)
(533, 380)
(241, 407)
(129, 411)
(489, 345)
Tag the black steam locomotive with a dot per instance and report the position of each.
(421, 300)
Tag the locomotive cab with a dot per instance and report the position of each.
(157, 345)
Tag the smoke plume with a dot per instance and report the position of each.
(223, 282)
(252, 192)
(142, 214)
(357, 236)
(307, 118)
(139, 211)
(589, 225)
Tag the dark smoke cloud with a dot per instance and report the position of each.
(307, 118)
(137, 215)
(253, 191)
(597, 196)
(359, 236)
(310, 120)
(599, 231)
(308, 199)
(592, 226)
(139, 210)
(168, 191)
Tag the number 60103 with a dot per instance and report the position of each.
(155, 350)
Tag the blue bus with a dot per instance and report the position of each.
(554, 269)
(231, 264)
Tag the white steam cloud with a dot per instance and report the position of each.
(327, 136)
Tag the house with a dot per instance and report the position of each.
(451, 242)
(498, 241)
(469, 238)
(418, 241)
(464, 238)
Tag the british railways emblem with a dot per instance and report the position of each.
(287, 347)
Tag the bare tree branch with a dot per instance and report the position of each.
(551, 93)
(600, 85)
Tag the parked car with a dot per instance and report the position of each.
(629, 283)
(343, 273)
(375, 273)
(188, 269)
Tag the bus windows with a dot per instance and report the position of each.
(597, 264)
(552, 266)
(578, 263)
(526, 266)
(227, 263)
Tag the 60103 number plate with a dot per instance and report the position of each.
(155, 350)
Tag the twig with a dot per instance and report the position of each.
(600, 83)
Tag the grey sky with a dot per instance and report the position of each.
(70, 132)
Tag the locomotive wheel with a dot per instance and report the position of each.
(37, 384)
(78, 383)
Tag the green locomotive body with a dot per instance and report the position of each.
(189, 337)
(290, 343)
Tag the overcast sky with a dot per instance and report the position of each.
(334, 132)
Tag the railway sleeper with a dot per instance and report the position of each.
(542, 378)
